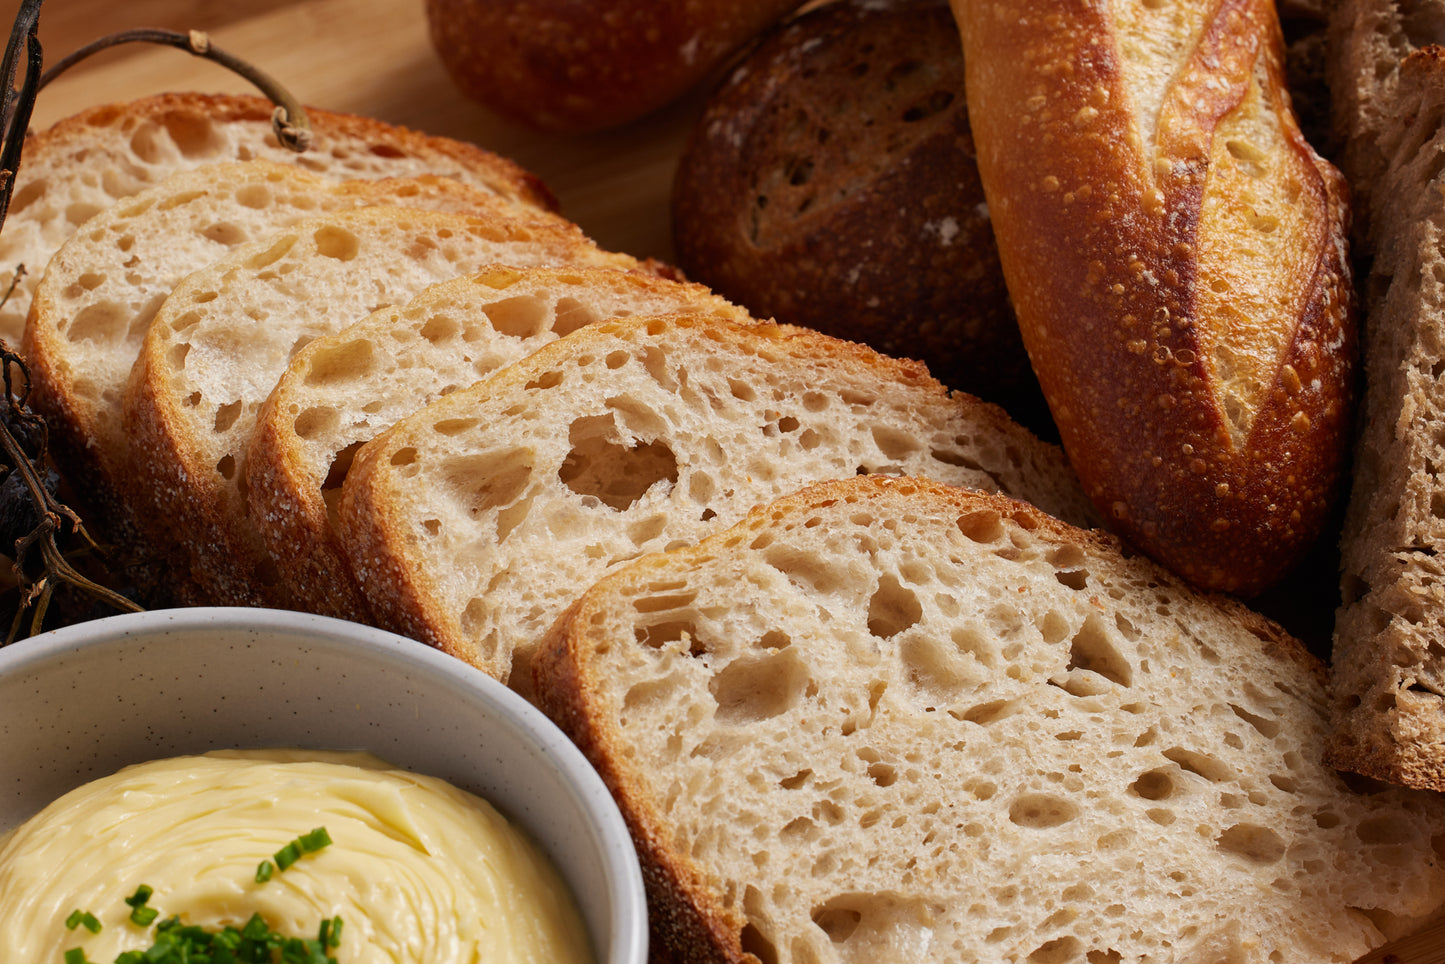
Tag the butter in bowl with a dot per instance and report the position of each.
(212, 777)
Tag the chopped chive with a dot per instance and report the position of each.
(84, 918)
(144, 916)
(287, 855)
(314, 841)
(264, 870)
(76, 955)
(142, 894)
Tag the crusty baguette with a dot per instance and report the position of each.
(83, 164)
(1389, 644)
(884, 720)
(342, 390)
(1176, 255)
(472, 523)
(89, 315)
(221, 339)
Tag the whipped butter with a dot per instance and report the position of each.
(418, 871)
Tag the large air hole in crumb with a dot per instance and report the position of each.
(349, 361)
(316, 421)
(1202, 764)
(102, 322)
(571, 314)
(488, 480)
(810, 570)
(226, 416)
(756, 688)
(754, 943)
(523, 316)
(1092, 651)
(1042, 811)
(865, 928)
(615, 473)
(893, 608)
(1156, 784)
(984, 526)
(1254, 843)
(1267, 728)
(985, 714)
(1057, 951)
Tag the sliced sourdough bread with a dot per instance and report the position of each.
(342, 390)
(1388, 659)
(90, 312)
(226, 333)
(472, 523)
(886, 720)
(85, 163)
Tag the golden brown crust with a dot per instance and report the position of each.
(1176, 256)
(686, 925)
(571, 67)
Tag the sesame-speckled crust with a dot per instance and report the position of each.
(1176, 254)
(572, 67)
(830, 182)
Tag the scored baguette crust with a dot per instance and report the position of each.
(1176, 254)
(225, 334)
(883, 719)
(473, 522)
(1388, 86)
(90, 313)
(84, 163)
(342, 390)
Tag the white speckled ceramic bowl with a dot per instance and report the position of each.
(81, 702)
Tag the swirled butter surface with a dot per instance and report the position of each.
(418, 871)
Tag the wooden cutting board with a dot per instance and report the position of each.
(369, 57)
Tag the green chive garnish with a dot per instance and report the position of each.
(264, 870)
(76, 955)
(84, 918)
(287, 855)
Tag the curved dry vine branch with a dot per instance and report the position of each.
(40, 564)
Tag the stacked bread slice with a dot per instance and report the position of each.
(390, 383)
(883, 719)
(84, 164)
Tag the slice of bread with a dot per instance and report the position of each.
(1389, 644)
(342, 390)
(887, 720)
(90, 312)
(219, 342)
(85, 163)
(472, 523)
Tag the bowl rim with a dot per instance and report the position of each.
(622, 873)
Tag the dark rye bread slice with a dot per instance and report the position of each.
(221, 339)
(342, 390)
(886, 720)
(472, 523)
(90, 313)
(83, 164)
(1388, 84)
